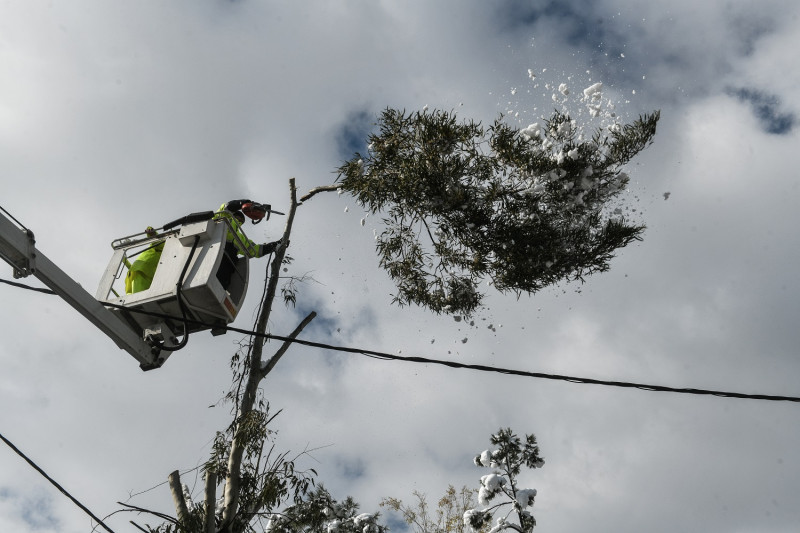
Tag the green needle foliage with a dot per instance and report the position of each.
(462, 203)
(506, 461)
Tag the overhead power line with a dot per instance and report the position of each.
(481, 368)
(484, 368)
(55, 483)
(540, 375)
(27, 287)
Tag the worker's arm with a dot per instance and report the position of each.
(268, 248)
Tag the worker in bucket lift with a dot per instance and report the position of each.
(234, 211)
(140, 273)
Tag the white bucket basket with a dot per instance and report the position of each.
(194, 252)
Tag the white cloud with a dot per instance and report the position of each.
(116, 116)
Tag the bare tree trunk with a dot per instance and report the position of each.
(177, 496)
(210, 500)
(254, 376)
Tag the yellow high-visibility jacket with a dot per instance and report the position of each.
(141, 272)
(243, 245)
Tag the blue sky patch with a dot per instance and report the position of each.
(35, 510)
(351, 468)
(767, 109)
(351, 137)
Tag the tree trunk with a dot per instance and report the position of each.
(254, 376)
(211, 501)
(177, 497)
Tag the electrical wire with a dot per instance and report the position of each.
(26, 287)
(539, 375)
(484, 368)
(20, 224)
(55, 483)
(481, 368)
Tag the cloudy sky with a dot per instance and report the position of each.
(119, 115)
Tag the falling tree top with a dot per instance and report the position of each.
(463, 203)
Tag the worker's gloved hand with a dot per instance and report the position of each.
(270, 247)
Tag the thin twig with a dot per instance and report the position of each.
(162, 516)
(138, 526)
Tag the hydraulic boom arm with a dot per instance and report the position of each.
(17, 248)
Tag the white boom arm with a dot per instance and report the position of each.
(17, 248)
